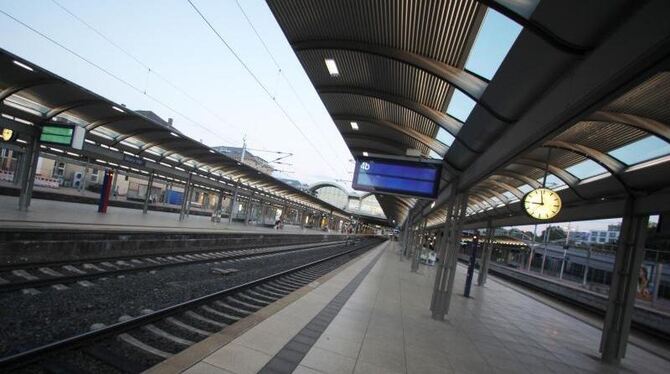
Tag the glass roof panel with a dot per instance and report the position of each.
(135, 142)
(444, 136)
(434, 155)
(552, 181)
(645, 149)
(105, 132)
(460, 106)
(585, 169)
(494, 40)
(526, 188)
(510, 196)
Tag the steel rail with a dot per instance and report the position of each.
(43, 282)
(30, 356)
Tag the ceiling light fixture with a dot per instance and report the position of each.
(173, 134)
(354, 125)
(21, 64)
(332, 67)
(365, 154)
(118, 109)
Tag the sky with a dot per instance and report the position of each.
(188, 73)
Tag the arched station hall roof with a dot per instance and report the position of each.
(35, 96)
(581, 80)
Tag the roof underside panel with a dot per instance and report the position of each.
(394, 60)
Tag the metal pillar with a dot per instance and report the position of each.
(486, 255)
(417, 249)
(28, 171)
(629, 256)
(444, 277)
(116, 175)
(84, 177)
(586, 268)
(471, 265)
(532, 248)
(182, 211)
(147, 195)
(547, 232)
(249, 210)
(233, 203)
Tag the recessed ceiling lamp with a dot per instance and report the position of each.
(365, 154)
(354, 125)
(21, 64)
(332, 67)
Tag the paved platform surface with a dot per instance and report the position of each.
(53, 214)
(385, 327)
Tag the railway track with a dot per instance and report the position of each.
(136, 343)
(60, 275)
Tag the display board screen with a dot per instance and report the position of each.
(57, 134)
(395, 176)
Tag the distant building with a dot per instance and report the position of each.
(250, 159)
(609, 236)
(579, 236)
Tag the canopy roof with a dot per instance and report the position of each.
(591, 87)
(35, 96)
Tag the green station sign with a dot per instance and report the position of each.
(57, 134)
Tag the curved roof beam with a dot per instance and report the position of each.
(447, 122)
(123, 137)
(521, 11)
(370, 138)
(107, 121)
(470, 84)
(520, 177)
(503, 199)
(376, 149)
(475, 202)
(515, 191)
(482, 197)
(11, 90)
(429, 142)
(610, 163)
(318, 185)
(645, 124)
(567, 178)
(72, 105)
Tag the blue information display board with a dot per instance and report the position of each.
(401, 177)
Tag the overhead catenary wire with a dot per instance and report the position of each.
(281, 72)
(150, 70)
(260, 84)
(105, 71)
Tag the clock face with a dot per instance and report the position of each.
(542, 203)
(6, 134)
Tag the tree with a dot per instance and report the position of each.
(555, 233)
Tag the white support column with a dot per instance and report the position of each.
(233, 203)
(444, 292)
(629, 256)
(184, 200)
(416, 255)
(147, 195)
(486, 255)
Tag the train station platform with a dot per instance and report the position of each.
(372, 317)
(53, 214)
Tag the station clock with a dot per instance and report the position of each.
(6, 135)
(542, 203)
